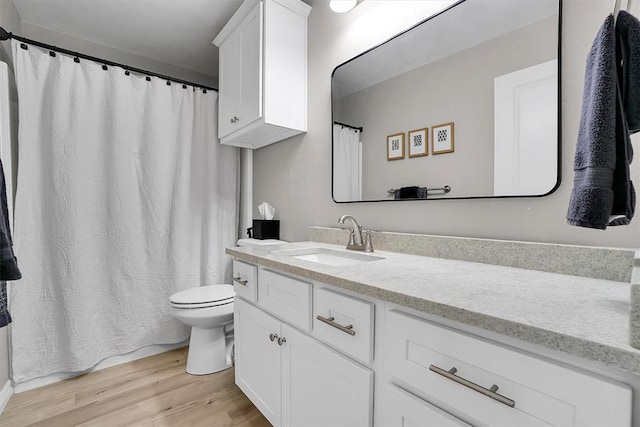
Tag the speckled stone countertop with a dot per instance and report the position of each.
(584, 317)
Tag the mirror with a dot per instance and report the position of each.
(463, 105)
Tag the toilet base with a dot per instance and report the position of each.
(208, 351)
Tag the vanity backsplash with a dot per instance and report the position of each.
(600, 263)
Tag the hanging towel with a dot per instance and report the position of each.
(591, 201)
(628, 36)
(8, 264)
(409, 192)
(628, 115)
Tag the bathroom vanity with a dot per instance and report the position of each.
(326, 336)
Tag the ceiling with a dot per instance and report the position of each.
(176, 32)
(465, 25)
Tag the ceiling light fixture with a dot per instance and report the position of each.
(342, 6)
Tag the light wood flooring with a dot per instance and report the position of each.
(154, 391)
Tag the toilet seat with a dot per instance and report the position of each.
(203, 296)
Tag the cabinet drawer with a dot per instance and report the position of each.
(244, 280)
(344, 322)
(421, 355)
(402, 409)
(286, 297)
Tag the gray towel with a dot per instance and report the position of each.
(627, 115)
(5, 317)
(410, 193)
(628, 33)
(8, 263)
(591, 201)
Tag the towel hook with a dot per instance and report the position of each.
(617, 4)
(616, 7)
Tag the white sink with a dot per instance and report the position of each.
(329, 256)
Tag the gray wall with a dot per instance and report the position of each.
(469, 94)
(295, 175)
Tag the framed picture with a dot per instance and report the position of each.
(442, 138)
(419, 142)
(395, 146)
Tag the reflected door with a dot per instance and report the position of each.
(526, 130)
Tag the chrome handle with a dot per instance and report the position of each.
(331, 322)
(282, 340)
(240, 281)
(489, 392)
(273, 337)
(234, 120)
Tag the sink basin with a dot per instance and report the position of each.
(329, 256)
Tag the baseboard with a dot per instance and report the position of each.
(5, 395)
(106, 363)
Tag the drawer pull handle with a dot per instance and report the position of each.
(273, 337)
(330, 321)
(489, 392)
(240, 281)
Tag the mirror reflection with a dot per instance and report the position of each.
(463, 105)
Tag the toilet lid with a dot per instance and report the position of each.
(204, 295)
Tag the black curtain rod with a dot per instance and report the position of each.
(349, 126)
(4, 35)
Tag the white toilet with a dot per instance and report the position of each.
(208, 310)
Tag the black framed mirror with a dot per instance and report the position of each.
(463, 105)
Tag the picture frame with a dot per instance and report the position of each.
(442, 138)
(395, 146)
(418, 142)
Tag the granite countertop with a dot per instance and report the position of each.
(583, 317)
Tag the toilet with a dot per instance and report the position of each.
(209, 312)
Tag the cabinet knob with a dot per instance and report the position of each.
(274, 337)
(234, 120)
(282, 340)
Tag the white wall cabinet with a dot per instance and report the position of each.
(263, 73)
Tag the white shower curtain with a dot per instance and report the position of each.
(347, 173)
(124, 196)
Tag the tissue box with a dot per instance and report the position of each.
(266, 229)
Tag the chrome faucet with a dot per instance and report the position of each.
(355, 238)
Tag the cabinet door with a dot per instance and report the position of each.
(402, 409)
(251, 68)
(258, 360)
(241, 75)
(321, 387)
(230, 85)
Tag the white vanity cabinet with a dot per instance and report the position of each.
(308, 354)
(292, 378)
(263, 73)
(258, 358)
(434, 369)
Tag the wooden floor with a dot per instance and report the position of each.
(154, 391)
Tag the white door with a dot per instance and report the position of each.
(322, 387)
(258, 359)
(526, 131)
